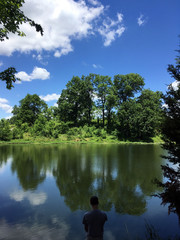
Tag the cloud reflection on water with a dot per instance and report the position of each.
(34, 198)
(35, 232)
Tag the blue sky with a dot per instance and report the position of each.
(80, 37)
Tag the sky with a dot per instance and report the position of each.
(106, 37)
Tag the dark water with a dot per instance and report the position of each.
(45, 190)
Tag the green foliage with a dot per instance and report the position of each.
(43, 127)
(9, 77)
(63, 127)
(24, 127)
(110, 106)
(75, 102)
(30, 108)
(17, 133)
(90, 107)
(11, 17)
(39, 127)
(102, 86)
(150, 114)
(50, 113)
(140, 119)
(127, 85)
(128, 120)
(5, 131)
(171, 137)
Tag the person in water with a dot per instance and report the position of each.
(94, 221)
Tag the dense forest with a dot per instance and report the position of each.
(90, 106)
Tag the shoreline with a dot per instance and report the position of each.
(92, 141)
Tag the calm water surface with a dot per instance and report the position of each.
(45, 190)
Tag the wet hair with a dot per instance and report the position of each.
(94, 200)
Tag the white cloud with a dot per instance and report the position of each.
(34, 198)
(3, 100)
(141, 20)
(165, 105)
(94, 2)
(5, 106)
(95, 97)
(40, 58)
(50, 97)
(1, 63)
(40, 73)
(96, 66)
(37, 73)
(175, 85)
(62, 21)
(112, 29)
(63, 51)
(8, 117)
(120, 17)
(23, 76)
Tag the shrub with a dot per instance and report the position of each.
(5, 131)
(17, 133)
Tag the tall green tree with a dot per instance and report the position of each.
(127, 86)
(171, 137)
(76, 101)
(139, 119)
(128, 119)
(11, 18)
(110, 108)
(29, 109)
(102, 86)
(151, 114)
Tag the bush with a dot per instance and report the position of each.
(24, 127)
(100, 133)
(17, 133)
(55, 133)
(5, 131)
(63, 127)
(39, 126)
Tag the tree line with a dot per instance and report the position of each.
(92, 104)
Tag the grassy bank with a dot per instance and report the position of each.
(65, 138)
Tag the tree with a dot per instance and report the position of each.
(171, 137)
(110, 105)
(28, 111)
(5, 131)
(127, 85)
(9, 77)
(128, 119)
(102, 86)
(75, 103)
(151, 114)
(11, 18)
(140, 119)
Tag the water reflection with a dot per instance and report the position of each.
(35, 232)
(34, 198)
(121, 175)
(90, 170)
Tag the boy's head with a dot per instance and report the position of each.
(94, 201)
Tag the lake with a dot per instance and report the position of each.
(45, 190)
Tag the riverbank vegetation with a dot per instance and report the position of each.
(91, 108)
(171, 137)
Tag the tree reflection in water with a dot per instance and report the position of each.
(121, 175)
